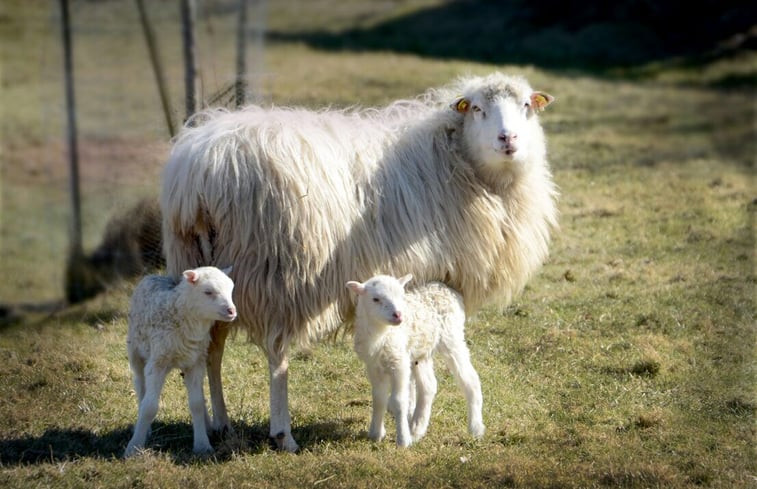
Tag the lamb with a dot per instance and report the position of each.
(169, 327)
(452, 186)
(396, 335)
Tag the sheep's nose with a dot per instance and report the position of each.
(397, 316)
(507, 137)
(232, 311)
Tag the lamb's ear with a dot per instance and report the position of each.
(191, 276)
(404, 280)
(461, 105)
(539, 100)
(227, 270)
(356, 287)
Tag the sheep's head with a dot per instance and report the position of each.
(500, 126)
(210, 290)
(382, 298)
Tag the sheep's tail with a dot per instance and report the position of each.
(187, 231)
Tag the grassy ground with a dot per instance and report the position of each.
(628, 362)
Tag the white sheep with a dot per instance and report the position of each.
(453, 186)
(169, 326)
(396, 335)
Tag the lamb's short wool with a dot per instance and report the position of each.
(396, 335)
(169, 327)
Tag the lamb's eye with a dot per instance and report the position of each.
(476, 108)
(376, 300)
(209, 293)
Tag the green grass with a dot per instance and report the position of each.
(629, 361)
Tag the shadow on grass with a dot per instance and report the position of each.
(598, 36)
(174, 439)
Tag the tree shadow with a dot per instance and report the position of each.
(174, 439)
(598, 36)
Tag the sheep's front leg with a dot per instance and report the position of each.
(218, 335)
(193, 378)
(423, 373)
(155, 377)
(398, 402)
(281, 422)
(380, 399)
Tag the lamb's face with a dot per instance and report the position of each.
(382, 298)
(211, 291)
(500, 127)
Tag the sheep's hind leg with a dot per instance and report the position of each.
(281, 422)
(459, 364)
(155, 377)
(193, 378)
(425, 380)
(218, 335)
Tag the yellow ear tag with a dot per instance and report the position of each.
(539, 101)
(462, 106)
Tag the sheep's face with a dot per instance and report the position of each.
(500, 128)
(210, 290)
(382, 298)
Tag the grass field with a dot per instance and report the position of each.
(629, 361)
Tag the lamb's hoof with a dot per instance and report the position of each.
(404, 442)
(477, 431)
(285, 443)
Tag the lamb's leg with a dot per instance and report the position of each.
(423, 372)
(400, 381)
(458, 361)
(281, 422)
(193, 378)
(411, 397)
(218, 335)
(380, 400)
(155, 377)
(138, 376)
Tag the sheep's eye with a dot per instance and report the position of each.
(209, 293)
(476, 108)
(376, 300)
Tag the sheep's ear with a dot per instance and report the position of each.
(191, 276)
(461, 105)
(227, 270)
(404, 280)
(356, 287)
(539, 100)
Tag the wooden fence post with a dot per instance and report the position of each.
(190, 66)
(157, 66)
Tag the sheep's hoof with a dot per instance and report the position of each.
(203, 451)
(132, 450)
(477, 431)
(285, 443)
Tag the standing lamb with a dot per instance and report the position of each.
(452, 186)
(396, 335)
(169, 326)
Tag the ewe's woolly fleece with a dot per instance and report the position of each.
(302, 201)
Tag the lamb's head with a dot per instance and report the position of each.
(209, 290)
(501, 132)
(381, 299)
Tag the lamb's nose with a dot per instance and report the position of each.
(232, 311)
(397, 316)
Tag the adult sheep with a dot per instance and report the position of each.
(452, 186)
